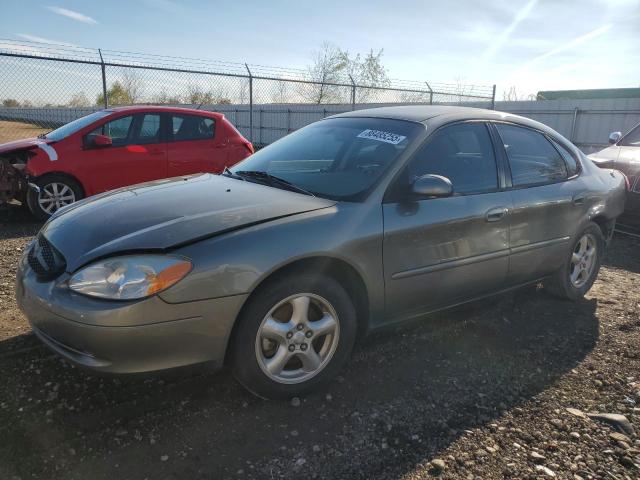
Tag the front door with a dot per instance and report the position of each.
(440, 250)
(138, 153)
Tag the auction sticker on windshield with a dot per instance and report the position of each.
(381, 136)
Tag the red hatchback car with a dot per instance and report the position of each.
(114, 148)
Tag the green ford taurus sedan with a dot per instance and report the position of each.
(278, 265)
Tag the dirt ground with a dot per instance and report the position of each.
(480, 392)
(10, 131)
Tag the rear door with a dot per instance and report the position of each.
(440, 250)
(548, 201)
(196, 144)
(138, 152)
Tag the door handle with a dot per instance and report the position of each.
(578, 199)
(496, 214)
(156, 152)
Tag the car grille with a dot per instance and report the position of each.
(45, 260)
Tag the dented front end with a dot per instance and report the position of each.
(13, 174)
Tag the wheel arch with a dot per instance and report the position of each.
(606, 225)
(62, 174)
(340, 270)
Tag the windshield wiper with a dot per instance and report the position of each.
(272, 179)
(43, 135)
(228, 173)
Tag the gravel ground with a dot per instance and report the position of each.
(480, 392)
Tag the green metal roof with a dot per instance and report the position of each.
(589, 94)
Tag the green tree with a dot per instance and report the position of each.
(10, 102)
(125, 91)
(116, 94)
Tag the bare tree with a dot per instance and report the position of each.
(281, 93)
(79, 100)
(367, 71)
(243, 94)
(197, 96)
(333, 65)
(164, 98)
(328, 66)
(511, 95)
(132, 85)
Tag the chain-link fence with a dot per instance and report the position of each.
(43, 86)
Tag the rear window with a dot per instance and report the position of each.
(572, 164)
(533, 160)
(191, 127)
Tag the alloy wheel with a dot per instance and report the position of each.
(583, 260)
(297, 338)
(54, 196)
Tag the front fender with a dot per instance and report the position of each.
(236, 263)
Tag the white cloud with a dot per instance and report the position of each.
(165, 5)
(522, 14)
(524, 71)
(33, 38)
(73, 15)
(573, 43)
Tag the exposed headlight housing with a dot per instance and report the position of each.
(129, 277)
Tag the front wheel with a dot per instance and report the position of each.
(581, 268)
(56, 191)
(293, 336)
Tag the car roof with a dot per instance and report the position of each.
(156, 108)
(434, 115)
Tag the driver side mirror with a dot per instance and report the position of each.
(432, 186)
(100, 141)
(614, 137)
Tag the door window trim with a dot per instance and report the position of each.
(133, 126)
(392, 195)
(170, 137)
(547, 138)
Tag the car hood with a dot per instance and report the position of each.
(167, 213)
(23, 144)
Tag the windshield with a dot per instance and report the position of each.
(78, 124)
(338, 158)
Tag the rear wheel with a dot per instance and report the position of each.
(56, 191)
(581, 268)
(293, 336)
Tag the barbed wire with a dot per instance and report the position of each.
(149, 60)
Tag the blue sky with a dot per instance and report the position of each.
(530, 44)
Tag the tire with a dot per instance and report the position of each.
(259, 344)
(567, 283)
(67, 188)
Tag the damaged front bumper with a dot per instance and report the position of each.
(14, 180)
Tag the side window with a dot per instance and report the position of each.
(632, 139)
(118, 129)
(149, 130)
(569, 159)
(533, 160)
(192, 127)
(463, 153)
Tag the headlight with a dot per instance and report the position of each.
(129, 277)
